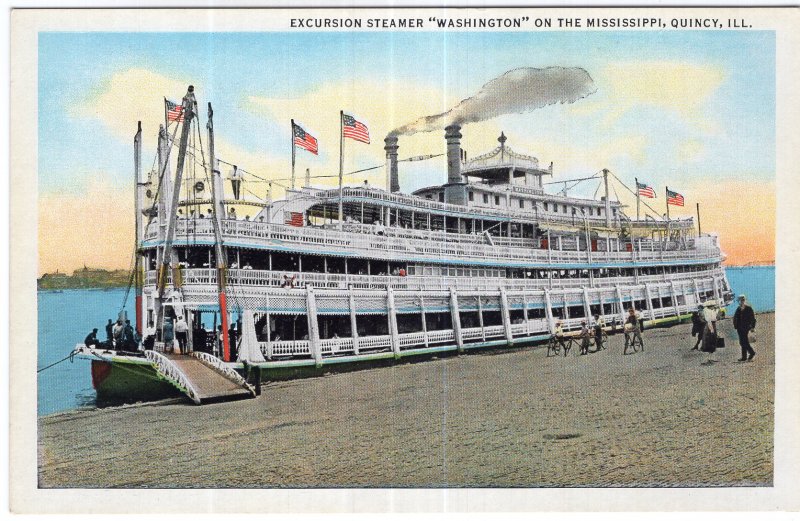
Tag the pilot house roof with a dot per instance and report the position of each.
(497, 164)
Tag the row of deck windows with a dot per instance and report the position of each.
(548, 207)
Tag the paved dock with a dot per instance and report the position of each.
(513, 418)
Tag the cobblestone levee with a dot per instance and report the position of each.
(666, 417)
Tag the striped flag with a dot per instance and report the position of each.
(674, 198)
(354, 129)
(293, 218)
(645, 191)
(174, 111)
(304, 140)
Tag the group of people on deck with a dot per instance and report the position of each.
(120, 336)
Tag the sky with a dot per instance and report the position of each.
(692, 110)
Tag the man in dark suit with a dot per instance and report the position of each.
(744, 321)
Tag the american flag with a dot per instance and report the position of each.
(646, 191)
(674, 198)
(293, 218)
(174, 111)
(354, 129)
(304, 140)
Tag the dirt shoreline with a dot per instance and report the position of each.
(666, 417)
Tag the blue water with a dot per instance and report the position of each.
(757, 283)
(66, 318)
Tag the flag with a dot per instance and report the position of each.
(293, 218)
(354, 129)
(674, 198)
(304, 140)
(645, 191)
(174, 111)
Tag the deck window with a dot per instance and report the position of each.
(545, 207)
(472, 196)
(521, 203)
(441, 197)
(485, 198)
(497, 200)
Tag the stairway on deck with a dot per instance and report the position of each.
(209, 384)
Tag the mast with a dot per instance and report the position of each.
(138, 203)
(637, 197)
(608, 201)
(219, 250)
(699, 230)
(166, 254)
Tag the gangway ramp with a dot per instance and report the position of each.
(202, 377)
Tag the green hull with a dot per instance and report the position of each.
(122, 381)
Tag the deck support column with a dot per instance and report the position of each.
(587, 309)
(269, 336)
(548, 310)
(621, 303)
(456, 319)
(424, 319)
(675, 298)
(313, 326)
(353, 320)
(649, 298)
(506, 316)
(395, 339)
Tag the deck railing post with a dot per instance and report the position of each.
(393, 333)
(648, 297)
(455, 317)
(506, 316)
(353, 319)
(548, 310)
(313, 326)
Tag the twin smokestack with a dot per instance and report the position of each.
(455, 190)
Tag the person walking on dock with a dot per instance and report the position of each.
(585, 334)
(744, 321)
(710, 330)
(169, 338)
(181, 332)
(698, 326)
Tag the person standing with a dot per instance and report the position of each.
(181, 332)
(116, 333)
(169, 335)
(109, 332)
(599, 324)
(710, 331)
(698, 326)
(584, 338)
(744, 321)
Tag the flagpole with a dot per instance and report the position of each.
(292, 155)
(637, 197)
(667, 201)
(699, 230)
(341, 164)
(166, 119)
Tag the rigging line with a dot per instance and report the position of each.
(68, 357)
(130, 279)
(632, 192)
(597, 190)
(594, 176)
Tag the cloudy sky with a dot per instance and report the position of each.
(691, 110)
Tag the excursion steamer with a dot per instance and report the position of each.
(325, 277)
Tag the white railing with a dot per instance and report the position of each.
(220, 366)
(264, 278)
(335, 346)
(441, 336)
(411, 339)
(172, 372)
(287, 348)
(374, 342)
(431, 244)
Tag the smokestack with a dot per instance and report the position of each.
(391, 162)
(454, 191)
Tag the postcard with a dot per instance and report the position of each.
(403, 259)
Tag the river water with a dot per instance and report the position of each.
(65, 318)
